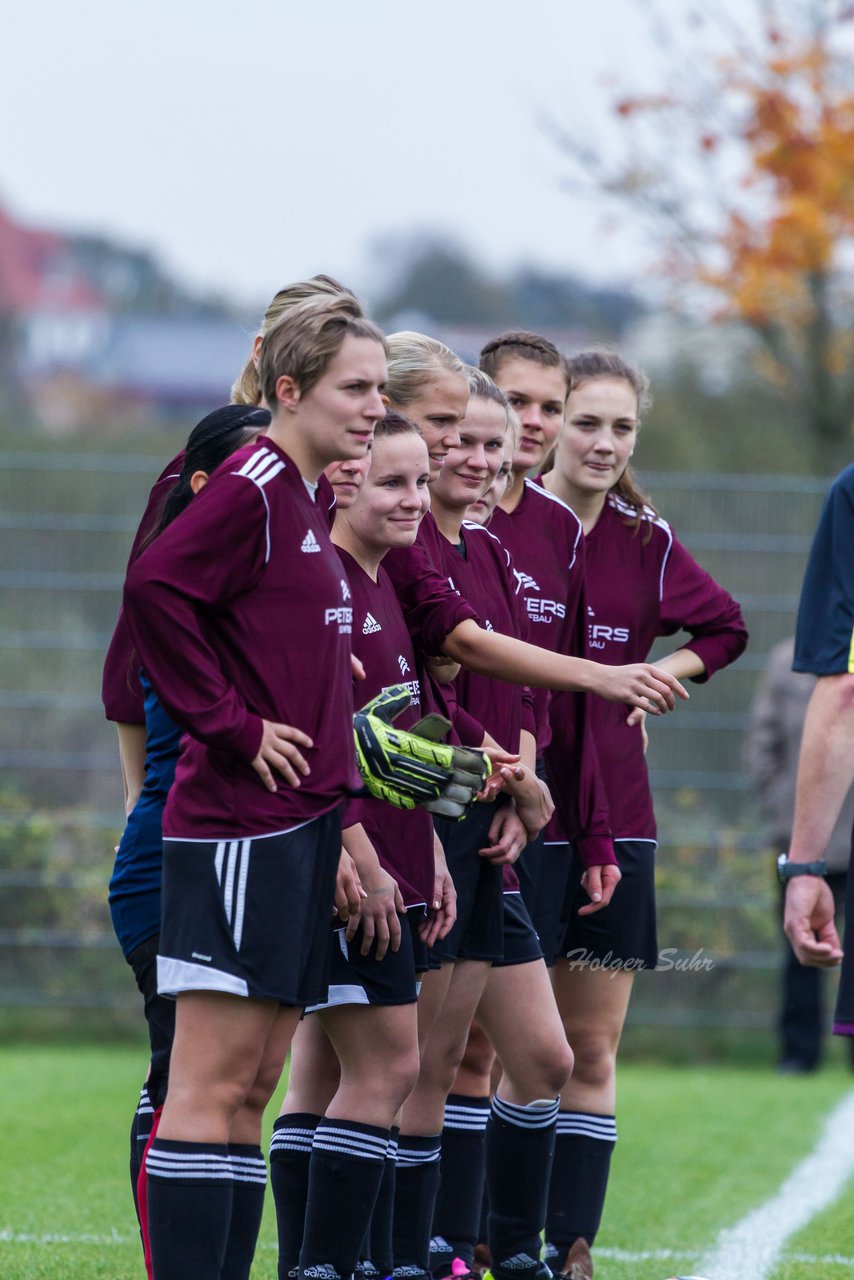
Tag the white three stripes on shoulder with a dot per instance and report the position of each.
(261, 467)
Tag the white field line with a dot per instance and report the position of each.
(751, 1249)
(627, 1256)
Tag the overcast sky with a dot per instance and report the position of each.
(251, 142)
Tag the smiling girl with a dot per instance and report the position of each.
(641, 584)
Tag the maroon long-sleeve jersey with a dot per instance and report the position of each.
(402, 838)
(432, 609)
(480, 569)
(241, 612)
(546, 542)
(121, 691)
(639, 588)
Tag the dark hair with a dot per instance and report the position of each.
(396, 424)
(210, 442)
(521, 344)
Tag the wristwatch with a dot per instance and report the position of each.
(787, 869)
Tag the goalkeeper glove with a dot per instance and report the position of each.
(409, 767)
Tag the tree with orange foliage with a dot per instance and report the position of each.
(744, 174)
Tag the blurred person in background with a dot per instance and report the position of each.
(771, 755)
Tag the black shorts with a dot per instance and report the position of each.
(623, 934)
(543, 871)
(159, 1014)
(478, 930)
(358, 979)
(521, 944)
(250, 917)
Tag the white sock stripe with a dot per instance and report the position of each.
(247, 1162)
(351, 1149)
(198, 1166)
(470, 1118)
(366, 1146)
(292, 1140)
(257, 1173)
(412, 1156)
(188, 1157)
(587, 1125)
(538, 1115)
(391, 1153)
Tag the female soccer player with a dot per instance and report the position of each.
(545, 539)
(136, 879)
(121, 694)
(428, 383)
(370, 1015)
(476, 849)
(641, 583)
(241, 617)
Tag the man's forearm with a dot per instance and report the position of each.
(825, 767)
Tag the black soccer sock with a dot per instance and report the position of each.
(378, 1240)
(519, 1149)
(139, 1131)
(189, 1208)
(347, 1165)
(456, 1222)
(290, 1155)
(249, 1176)
(416, 1187)
(583, 1148)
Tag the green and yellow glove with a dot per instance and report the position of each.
(410, 767)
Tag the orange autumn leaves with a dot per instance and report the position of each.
(772, 128)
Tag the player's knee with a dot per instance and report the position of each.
(386, 1088)
(403, 1076)
(595, 1061)
(543, 1072)
(263, 1086)
(478, 1057)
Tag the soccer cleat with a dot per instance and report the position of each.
(520, 1268)
(365, 1270)
(579, 1261)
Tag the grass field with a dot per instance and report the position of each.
(698, 1149)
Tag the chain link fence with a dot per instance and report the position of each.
(66, 523)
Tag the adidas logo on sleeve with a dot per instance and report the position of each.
(371, 626)
(310, 543)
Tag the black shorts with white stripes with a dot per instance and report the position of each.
(358, 979)
(250, 917)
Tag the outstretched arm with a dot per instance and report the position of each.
(504, 658)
